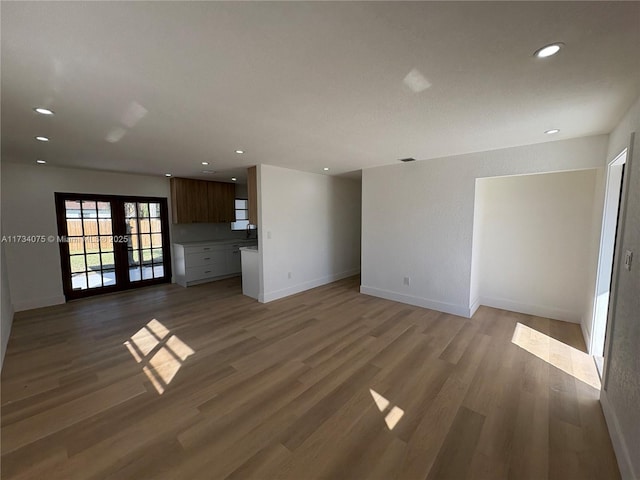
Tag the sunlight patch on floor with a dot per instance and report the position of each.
(170, 353)
(158, 329)
(393, 415)
(133, 351)
(145, 340)
(570, 360)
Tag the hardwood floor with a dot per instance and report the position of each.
(325, 384)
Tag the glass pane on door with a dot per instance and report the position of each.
(89, 226)
(144, 246)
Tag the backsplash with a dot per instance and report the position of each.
(196, 232)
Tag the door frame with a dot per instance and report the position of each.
(618, 264)
(606, 252)
(119, 248)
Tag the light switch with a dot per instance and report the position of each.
(269, 234)
(628, 257)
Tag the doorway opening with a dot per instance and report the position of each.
(613, 190)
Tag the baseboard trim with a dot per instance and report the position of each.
(5, 335)
(38, 303)
(474, 307)
(301, 287)
(619, 445)
(537, 310)
(453, 309)
(587, 336)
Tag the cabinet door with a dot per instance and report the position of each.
(221, 198)
(228, 202)
(181, 198)
(214, 195)
(199, 202)
(252, 194)
(234, 262)
(189, 200)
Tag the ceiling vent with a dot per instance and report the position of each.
(410, 159)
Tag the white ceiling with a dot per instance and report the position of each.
(306, 85)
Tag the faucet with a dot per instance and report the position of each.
(248, 230)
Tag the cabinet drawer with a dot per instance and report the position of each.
(203, 249)
(204, 258)
(203, 271)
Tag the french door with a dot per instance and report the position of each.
(111, 243)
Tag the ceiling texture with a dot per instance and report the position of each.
(157, 87)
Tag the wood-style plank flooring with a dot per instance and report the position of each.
(204, 383)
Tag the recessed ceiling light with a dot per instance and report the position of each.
(205, 163)
(41, 161)
(43, 111)
(552, 131)
(549, 50)
(42, 139)
(208, 171)
(233, 179)
(239, 152)
(326, 169)
(167, 174)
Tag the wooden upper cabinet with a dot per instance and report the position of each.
(221, 202)
(181, 200)
(230, 202)
(200, 201)
(252, 194)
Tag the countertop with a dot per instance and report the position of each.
(249, 249)
(228, 241)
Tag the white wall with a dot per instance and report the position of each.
(417, 218)
(309, 225)
(533, 252)
(620, 396)
(6, 306)
(28, 208)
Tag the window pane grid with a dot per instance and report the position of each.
(85, 221)
(242, 214)
(91, 253)
(146, 257)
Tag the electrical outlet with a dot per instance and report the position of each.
(289, 275)
(407, 281)
(628, 258)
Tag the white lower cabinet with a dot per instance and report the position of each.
(234, 262)
(204, 262)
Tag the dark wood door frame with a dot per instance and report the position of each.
(119, 248)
